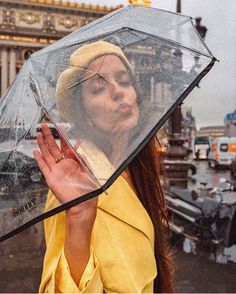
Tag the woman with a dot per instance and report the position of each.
(115, 243)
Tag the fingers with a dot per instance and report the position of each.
(66, 149)
(46, 155)
(50, 150)
(41, 163)
(50, 141)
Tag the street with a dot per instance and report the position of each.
(208, 175)
(197, 269)
(200, 268)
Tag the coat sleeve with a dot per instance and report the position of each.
(56, 277)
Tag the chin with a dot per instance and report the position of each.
(129, 124)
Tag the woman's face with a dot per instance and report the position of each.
(109, 98)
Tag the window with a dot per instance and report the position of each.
(201, 140)
(224, 147)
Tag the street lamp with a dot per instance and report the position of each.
(176, 165)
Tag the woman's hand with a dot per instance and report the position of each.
(67, 179)
(64, 175)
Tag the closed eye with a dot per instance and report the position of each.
(123, 78)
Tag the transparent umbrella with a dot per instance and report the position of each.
(105, 90)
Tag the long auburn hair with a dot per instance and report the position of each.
(144, 175)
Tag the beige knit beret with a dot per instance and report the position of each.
(76, 72)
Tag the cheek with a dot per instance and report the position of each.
(90, 105)
(133, 95)
(134, 101)
(100, 112)
(135, 108)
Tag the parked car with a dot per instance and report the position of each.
(209, 214)
(18, 169)
(17, 164)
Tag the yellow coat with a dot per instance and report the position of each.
(122, 248)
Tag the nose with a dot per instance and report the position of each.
(117, 92)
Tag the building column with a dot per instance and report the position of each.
(4, 70)
(152, 89)
(12, 73)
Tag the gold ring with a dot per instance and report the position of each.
(59, 158)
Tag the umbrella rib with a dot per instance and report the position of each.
(150, 34)
(80, 81)
(155, 37)
(15, 118)
(34, 90)
(203, 43)
(175, 43)
(77, 155)
(87, 78)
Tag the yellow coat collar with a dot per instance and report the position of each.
(125, 205)
(120, 200)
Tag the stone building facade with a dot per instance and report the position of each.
(212, 131)
(29, 25)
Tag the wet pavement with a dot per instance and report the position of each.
(22, 259)
(197, 269)
(197, 274)
(208, 175)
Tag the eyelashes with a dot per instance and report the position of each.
(99, 84)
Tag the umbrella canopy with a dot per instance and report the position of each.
(105, 89)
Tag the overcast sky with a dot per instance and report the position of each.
(217, 95)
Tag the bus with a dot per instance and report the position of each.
(201, 147)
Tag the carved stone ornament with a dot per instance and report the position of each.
(29, 18)
(68, 22)
(8, 19)
(49, 23)
(85, 20)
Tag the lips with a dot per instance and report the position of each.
(124, 108)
